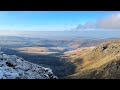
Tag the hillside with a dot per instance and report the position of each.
(62, 56)
(13, 67)
(100, 62)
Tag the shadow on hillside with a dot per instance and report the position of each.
(60, 67)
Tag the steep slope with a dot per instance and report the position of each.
(13, 67)
(99, 62)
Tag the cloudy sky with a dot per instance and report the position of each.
(58, 20)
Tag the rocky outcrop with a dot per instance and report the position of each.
(14, 67)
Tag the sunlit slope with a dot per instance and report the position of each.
(96, 62)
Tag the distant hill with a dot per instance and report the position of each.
(69, 44)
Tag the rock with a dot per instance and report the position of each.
(11, 75)
(4, 77)
(55, 77)
(1, 74)
(11, 63)
(2, 64)
(13, 67)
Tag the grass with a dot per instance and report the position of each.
(96, 57)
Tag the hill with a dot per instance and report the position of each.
(100, 62)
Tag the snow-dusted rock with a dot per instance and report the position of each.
(11, 75)
(13, 67)
(1, 74)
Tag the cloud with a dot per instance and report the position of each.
(110, 22)
(79, 27)
(88, 25)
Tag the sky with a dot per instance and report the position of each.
(58, 20)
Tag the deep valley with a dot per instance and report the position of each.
(50, 53)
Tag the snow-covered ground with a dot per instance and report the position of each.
(14, 67)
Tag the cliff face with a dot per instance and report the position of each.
(14, 67)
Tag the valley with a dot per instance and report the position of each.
(59, 55)
(60, 45)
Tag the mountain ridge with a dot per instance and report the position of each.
(101, 62)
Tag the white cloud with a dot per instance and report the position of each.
(109, 22)
(88, 25)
